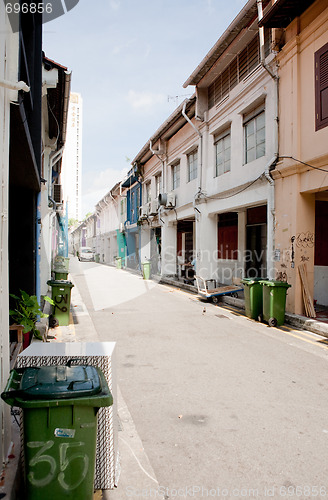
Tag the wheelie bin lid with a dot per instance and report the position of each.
(60, 283)
(57, 386)
(275, 283)
(251, 281)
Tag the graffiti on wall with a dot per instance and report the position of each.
(305, 240)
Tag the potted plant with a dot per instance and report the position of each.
(27, 311)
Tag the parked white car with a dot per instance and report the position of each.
(86, 254)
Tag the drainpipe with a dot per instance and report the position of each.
(184, 114)
(200, 177)
(112, 197)
(38, 248)
(158, 153)
(271, 196)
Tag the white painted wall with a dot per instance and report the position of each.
(71, 175)
(8, 71)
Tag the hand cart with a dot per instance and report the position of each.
(215, 293)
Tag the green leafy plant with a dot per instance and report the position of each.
(26, 312)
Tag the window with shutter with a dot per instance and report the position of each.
(321, 87)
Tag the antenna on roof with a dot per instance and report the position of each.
(176, 98)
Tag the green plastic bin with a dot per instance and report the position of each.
(146, 270)
(97, 258)
(61, 276)
(61, 295)
(274, 301)
(59, 406)
(118, 262)
(253, 297)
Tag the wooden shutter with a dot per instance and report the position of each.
(321, 87)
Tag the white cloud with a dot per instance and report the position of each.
(117, 49)
(146, 101)
(115, 4)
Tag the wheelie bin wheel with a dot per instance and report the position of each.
(215, 300)
(273, 322)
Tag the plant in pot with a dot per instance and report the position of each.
(27, 311)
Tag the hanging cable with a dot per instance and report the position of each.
(234, 194)
(302, 162)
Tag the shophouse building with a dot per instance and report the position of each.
(209, 165)
(300, 37)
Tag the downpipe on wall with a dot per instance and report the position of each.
(271, 197)
(200, 177)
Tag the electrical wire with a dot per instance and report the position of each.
(58, 129)
(234, 194)
(303, 163)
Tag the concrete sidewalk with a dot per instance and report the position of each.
(136, 472)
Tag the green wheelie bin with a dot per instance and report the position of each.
(253, 297)
(59, 419)
(61, 295)
(60, 267)
(146, 270)
(61, 275)
(118, 262)
(274, 301)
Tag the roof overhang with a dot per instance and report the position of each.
(168, 128)
(282, 13)
(58, 100)
(244, 21)
(132, 179)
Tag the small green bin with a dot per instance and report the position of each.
(61, 295)
(118, 262)
(97, 258)
(253, 297)
(59, 407)
(146, 270)
(274, 301)
(61, 276)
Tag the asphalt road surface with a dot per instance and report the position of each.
(225, 407)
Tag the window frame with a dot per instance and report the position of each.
(321, 85)
(176, 177)
(218, 139)
(192, 167)
(247, 119)
(148, 192)
(158, 184)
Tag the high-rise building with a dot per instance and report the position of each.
(71, 175)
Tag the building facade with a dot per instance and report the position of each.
(9, 50)
(234, 183)
(301, 180)
(209, 164)
(72, 159)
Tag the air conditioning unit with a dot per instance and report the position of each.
(143, 212)
(167, 200)
(153, 207)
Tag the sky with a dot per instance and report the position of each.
(129, 60)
